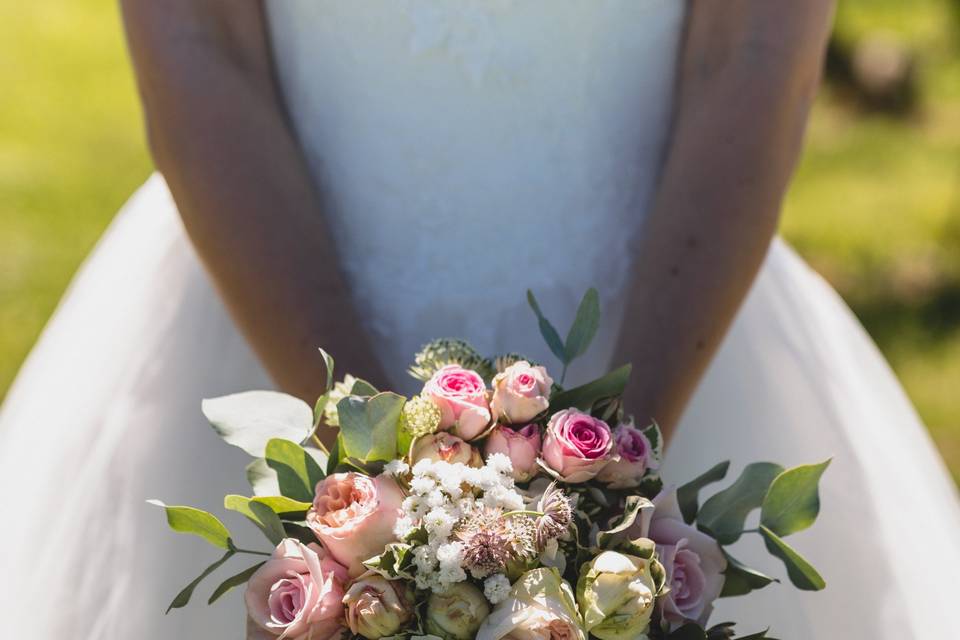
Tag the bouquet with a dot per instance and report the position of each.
(495, 504)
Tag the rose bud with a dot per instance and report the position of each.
(577, 445)
(616, 594)
(457, 613)
(461, 396)
(520, 393)
(636, 458)
(445, 447)
(297, 593)
(377, 607)
(353, 515)
(521, 446)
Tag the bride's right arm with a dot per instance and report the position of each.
(218, 134)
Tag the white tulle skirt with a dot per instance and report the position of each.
(105, 413)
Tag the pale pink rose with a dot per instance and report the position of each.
(577, 445)
(522, 446)
(377, 607)
(693, 561)
(520, 393)
(636, 458)
(445, 447)
(353, 515)
(297, 593)
(461, 396)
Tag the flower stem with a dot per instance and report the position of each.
(253, 553)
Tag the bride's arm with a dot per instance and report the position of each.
(748, 74)
(219, 136)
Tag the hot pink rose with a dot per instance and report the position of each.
(461, 396)
(446, 447)
(353, 515)
(693, 561)
(297, 594)
(636, 457)
(520, 392)
(521, 446)
(577, 445)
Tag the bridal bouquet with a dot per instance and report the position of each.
(495, 504)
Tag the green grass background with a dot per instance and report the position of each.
(875, 206)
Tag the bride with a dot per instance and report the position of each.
(364, 176)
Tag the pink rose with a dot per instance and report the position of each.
(636, 457)
(520, 393)
(693, 561)
(447, 448)
(521, 446)
(462, 398)
(353, 515)
(577, 445)
(297, 594)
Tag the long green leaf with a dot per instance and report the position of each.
(793, 501)
(234, 581)
(183, 598)
(741, 579)
(801, 573)
(368, 426)
(585, 396)
(249, 420)
(259, 514)
(297, 471)
(196, 522)
(328, 362)
(547, 330)
(688, 495)
(584, 326)
(724, 514)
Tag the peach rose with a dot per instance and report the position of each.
(521, 446)
(461, 396)
(377, 607)
(577, 445)
(445, 447)
(353, 515)
(297, 594)
(520, 393)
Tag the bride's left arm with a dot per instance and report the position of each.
(749, 71)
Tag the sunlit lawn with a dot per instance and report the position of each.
(875, 206)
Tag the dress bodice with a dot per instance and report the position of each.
(467, 150)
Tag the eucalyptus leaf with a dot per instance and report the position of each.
(584, 326)
(328, 362)
(688, 495)
(724, 514)
(297, 471)
(585, 396)
(741, 579)
(793, 501)
(249, 420)
(284, 506)
(299, 532)
(263, 480)
(801, 573)
(363, 388)
(183, 598)
(368, 426)
(269, 522)
(547, 330)
(234, 581)
(196, 522)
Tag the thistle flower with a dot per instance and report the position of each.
(557, 515)
(439, 353)
(420, 417)
(486, 552)
(491, 541)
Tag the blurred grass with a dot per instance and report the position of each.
(875, 206)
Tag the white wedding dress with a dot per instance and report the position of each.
(466, 150)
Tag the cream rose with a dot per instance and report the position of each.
(520, 393)
(540, 605)
(377, 607)
(447, 448)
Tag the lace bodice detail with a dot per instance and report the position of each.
(467, 150)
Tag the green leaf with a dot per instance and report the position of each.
(299, 532)
(741, 579)
(234, 581)
(584, 326)
(547, 330)
(369, 426)
(282, 505)
(689, 631)
(249, 420)
(259, 514)
(585, 396)
(297, 471)
(318, 410)
(363, 388)
(196, 522)
(328, 362)
(336, 455)
(793, 501)
(724, 514)
(263, 480)
(183, 598)
(801, 573)
(633, 509)
(688, 494)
